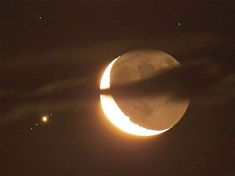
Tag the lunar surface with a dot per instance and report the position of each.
(115, 115)
(152, 112)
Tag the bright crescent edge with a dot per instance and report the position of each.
(115, 115)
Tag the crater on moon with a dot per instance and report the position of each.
(152, 112)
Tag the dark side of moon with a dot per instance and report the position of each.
(153, 112)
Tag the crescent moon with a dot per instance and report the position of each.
(115, 115)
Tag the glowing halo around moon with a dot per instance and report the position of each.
(115, 115)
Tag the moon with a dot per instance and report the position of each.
(145, 116)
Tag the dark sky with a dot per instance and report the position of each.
(52, 57)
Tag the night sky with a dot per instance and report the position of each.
(52, 58)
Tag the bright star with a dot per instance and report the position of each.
(45, 119)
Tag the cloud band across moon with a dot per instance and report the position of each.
(114, 113)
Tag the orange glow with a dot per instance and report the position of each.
(115, 114)
(44, 119)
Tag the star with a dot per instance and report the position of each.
(44, 119)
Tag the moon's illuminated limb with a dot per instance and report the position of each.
(115, 114)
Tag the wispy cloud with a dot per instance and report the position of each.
(83, 65)
(52, 97)
(205, 80)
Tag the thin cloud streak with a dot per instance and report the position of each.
(206, 81)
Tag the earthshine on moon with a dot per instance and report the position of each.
(145, 116)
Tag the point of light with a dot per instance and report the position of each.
(115, 115)
(44, 119)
